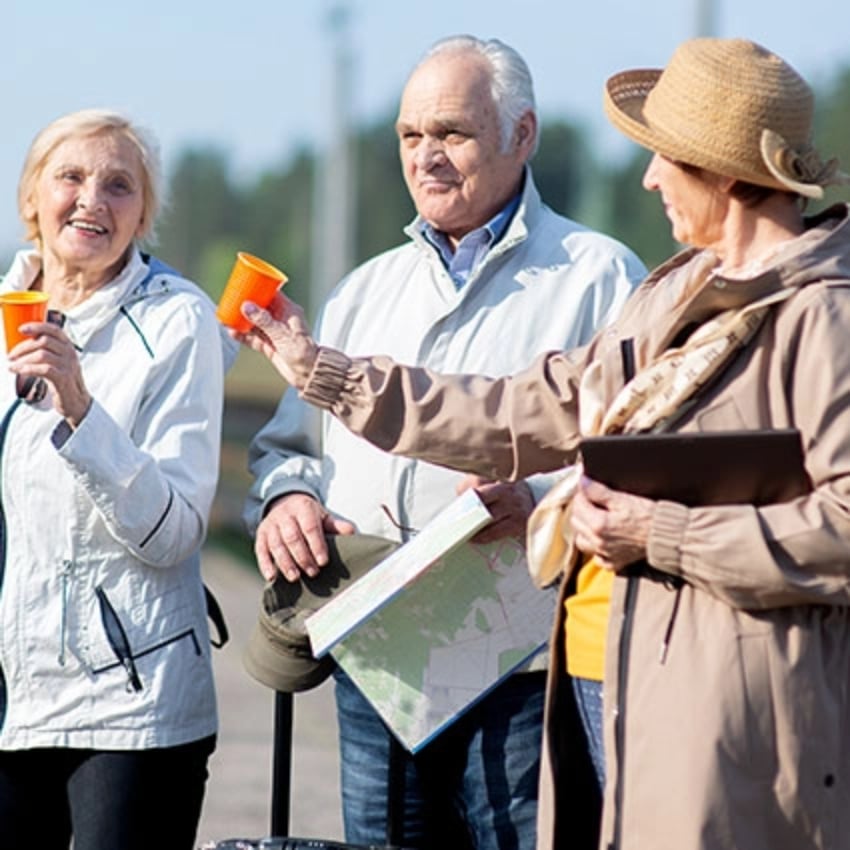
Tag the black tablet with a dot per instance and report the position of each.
(701, 468)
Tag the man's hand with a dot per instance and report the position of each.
(510, 504)
(282, 335)
(612, 525)
(291, 537)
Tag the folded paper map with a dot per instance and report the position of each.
(430, 630)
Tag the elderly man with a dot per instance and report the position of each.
(489, 278)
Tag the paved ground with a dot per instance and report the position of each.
(238, 801)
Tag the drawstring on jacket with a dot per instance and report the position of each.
(677, 584)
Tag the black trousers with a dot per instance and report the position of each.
(106, 799)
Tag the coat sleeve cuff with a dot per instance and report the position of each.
(328, 378)
(61, 434)
(669, 522)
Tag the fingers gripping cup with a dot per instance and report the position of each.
(251, 279)
(18, 308)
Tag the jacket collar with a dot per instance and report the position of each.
(140, 278)
(524, 220)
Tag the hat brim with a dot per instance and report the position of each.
(624, 98)
(282, 667)
(278, 653)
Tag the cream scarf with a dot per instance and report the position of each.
(648, 402)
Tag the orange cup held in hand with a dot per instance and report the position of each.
(18, 308)
(251, 279)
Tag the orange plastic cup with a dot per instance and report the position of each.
(19, 308)
(251, 279)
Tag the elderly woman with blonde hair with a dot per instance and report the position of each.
(109, 427)
(727, 710)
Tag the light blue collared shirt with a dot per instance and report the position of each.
(462, 261)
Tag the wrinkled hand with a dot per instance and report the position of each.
(510, 503)
(282, 335)
(50, 355)
(291, 537)
(612, 525)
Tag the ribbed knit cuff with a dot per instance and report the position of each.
(669, 522)
(327, 379)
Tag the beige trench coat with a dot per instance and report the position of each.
(739, 736)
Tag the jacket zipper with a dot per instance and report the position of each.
(64, 582)
(4, 430)
(620, 720)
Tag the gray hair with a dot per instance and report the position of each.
(91, 122)
(511, 84)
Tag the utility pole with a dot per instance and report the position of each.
(706, 18)
(334, 183)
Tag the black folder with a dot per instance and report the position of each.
(701, 468)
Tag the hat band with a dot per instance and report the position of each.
(802, 171)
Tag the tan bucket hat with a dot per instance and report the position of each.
(278, 653)
(729, 106)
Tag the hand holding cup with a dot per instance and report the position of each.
(251, 279)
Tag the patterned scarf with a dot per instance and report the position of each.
(660, 392)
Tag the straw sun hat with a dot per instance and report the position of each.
(729, 106)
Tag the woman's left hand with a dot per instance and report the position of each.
(49, 354)
(612, 525)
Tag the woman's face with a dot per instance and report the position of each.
(694, 200)
(89, 201)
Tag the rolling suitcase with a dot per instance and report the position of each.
(279, 655)
(281, 795)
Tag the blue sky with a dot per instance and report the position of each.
(252, 77)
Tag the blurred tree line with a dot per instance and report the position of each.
(212, 214)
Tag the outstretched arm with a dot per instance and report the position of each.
(500, 429)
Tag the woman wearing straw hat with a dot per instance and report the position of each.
(727, 721)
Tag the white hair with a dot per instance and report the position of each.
(510, 79)
(91, 122)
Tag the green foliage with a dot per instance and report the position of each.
(832, 129)
(277, 218)
(634, 215)
(203, 207)
(561, 166)
(382, 206)
(214, 265)
(212, 214)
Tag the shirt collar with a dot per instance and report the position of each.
(462, 261)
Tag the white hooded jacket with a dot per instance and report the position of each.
(103, 634)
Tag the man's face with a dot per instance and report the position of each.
(456, 168)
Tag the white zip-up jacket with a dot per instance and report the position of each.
(103, 634)
(547, 284)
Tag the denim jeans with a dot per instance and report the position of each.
(588, 696)
(474, 786)
(132, 800)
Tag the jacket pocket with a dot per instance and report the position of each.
(119, 642)
(752, 715)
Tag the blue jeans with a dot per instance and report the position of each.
(474, 786)
(133, 800)
(588, 696)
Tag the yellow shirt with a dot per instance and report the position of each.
(587, 622)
